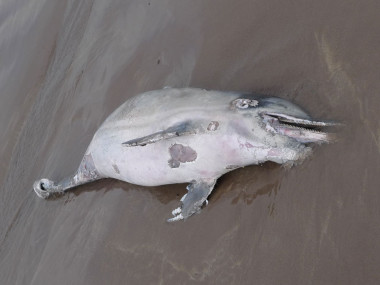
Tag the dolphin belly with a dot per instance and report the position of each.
(176, 160)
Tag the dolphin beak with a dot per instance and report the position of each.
(301, 129)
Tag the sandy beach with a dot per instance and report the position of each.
(66, 65)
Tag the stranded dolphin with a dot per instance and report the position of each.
(192, 136)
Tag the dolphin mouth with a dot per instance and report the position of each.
(301, 129)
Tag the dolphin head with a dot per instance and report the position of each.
(284, 118)
(283, 127)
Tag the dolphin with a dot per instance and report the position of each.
(193, 136)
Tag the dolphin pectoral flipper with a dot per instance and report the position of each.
(194, 199)
(181, 129)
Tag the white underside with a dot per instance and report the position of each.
(148, 165)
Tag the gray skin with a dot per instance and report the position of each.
(192, 136)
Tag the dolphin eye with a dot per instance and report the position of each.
(244, 103)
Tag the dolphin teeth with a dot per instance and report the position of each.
(300, 128)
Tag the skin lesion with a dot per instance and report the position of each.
(114, 166)
(213, 126)
(181, 154)
(243, 103)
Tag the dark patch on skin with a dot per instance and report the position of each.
(174, 163)
(181, 154)
(213, 126)
(116, 168)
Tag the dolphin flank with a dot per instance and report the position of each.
(193, 136)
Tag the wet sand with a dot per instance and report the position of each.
(66, 65)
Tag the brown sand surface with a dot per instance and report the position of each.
(66, 65)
